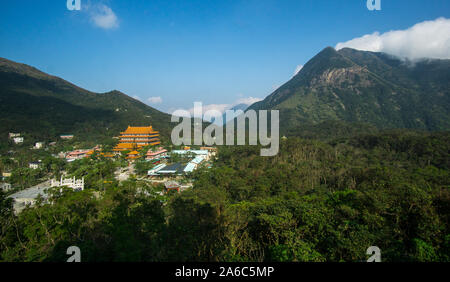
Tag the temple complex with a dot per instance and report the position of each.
(134, 138)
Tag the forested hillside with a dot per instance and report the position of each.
(44, 106)
(314, 201)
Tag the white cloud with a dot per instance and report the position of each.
(297, 69)
(179, 112)
(155, 100)
(247, 101)
(222, 108)
(104, 17)
(428, 39)
(205, 108)
(217, 107)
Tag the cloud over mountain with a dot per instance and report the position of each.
(247, 101)
(428, 39)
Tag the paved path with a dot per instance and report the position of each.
(124, 173)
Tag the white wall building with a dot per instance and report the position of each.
(18, 140)
(5, 187)
(39, 145)
(76, 184)
(34, 165)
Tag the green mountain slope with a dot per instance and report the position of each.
(45, 106)
(353, 86)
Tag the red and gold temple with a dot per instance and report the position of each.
(134, 138)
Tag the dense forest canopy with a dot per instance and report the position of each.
(314, 201)
(44, 107)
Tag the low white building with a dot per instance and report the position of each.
(5, 187)
(154, 171)
(204, 153)
(194, 163)
(212, 151)
(28, 197)
(12, 135)
(76, 184)
(18, 140)
(66, 136)
(34, 165)
(39, 145)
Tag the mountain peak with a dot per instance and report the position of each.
(326, 59)
(364, 87)
(328, 50)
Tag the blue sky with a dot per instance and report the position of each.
(178, 52)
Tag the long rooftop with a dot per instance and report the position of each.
(131, 130)
(194, 152)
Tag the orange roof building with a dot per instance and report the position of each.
(106, 155)
(133, 155)
(134, 138)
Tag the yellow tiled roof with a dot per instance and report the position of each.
(139, 136)
(139, 130)
(108, 155)
(125, 145)
(132, 157)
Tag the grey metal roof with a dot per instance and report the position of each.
(194, 152)
(173, 168)
(189, 168)
(31, 193)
